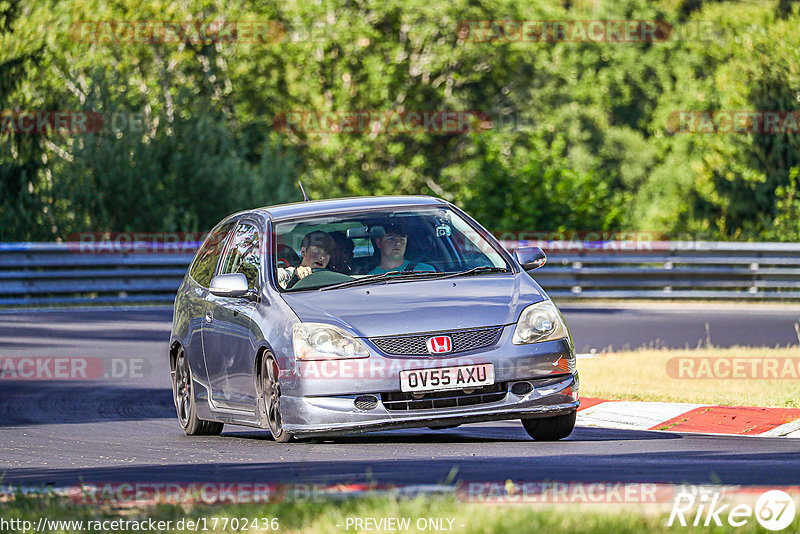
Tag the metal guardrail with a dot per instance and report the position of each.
(670, 270)
(64, 273)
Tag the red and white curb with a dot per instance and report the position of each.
(690, 418)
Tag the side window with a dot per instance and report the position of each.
(244, 254)
(207, 257)
(472, 249)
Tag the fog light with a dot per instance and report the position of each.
(366, 402)
(521, 388)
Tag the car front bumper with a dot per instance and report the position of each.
(330, 415)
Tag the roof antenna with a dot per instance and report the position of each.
(305, 197)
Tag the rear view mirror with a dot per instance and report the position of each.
(530, 257)
(363, 231)
(356, 233)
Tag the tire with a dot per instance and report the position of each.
(550, 428)
(183, 394)
(270, 399)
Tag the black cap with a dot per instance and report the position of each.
(320, 239)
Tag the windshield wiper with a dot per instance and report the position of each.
(391, 275)
(477, 270)
(404, 275)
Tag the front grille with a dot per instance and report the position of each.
(414, 345)
(402, 401)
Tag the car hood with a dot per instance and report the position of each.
(420, 305)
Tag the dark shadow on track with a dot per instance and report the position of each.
(463, 434)
(541, 464)
(53, 402)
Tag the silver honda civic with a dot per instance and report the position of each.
(354, 315)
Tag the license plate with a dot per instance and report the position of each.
(462, 377)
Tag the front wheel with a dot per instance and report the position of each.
(183, 392)
(271, 399)
(550, 428)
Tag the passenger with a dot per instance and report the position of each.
(316, 250)
(392, 247)
(342, 259)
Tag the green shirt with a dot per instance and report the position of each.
(417, 267)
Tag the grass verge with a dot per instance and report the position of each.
(697, 376)
(332, 516)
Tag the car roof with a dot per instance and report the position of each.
(336, 205)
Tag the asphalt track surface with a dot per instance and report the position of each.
(124, 429)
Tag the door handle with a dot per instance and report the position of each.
(209, 316)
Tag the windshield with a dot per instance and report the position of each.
(380, 246)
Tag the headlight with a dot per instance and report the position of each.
(539, 322)
(315, 341)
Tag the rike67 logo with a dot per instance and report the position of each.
(774, 510)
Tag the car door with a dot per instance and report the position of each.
(228, 345)
(195, 298)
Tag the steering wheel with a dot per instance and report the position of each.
(319, 277)
(294, 279)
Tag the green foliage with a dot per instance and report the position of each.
(21, 168)
(490, 512)
(579, 136)
(516, 189)
(786, 226)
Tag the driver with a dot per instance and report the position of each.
(315, 250)
(393, 252)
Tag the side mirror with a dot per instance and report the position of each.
(231, 285)
(530, 257)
